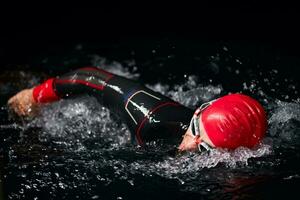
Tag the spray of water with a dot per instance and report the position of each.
(284, 123)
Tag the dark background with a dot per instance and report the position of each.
(48, 29)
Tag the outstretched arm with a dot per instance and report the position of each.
(88, 80)
(142, 109)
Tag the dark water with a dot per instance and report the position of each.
(77, 150)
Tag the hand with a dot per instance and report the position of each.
(23, 104)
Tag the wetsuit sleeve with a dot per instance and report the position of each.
(88, 80)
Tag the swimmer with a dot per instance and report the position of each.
(229, 122)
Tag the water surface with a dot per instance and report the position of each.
(77, 149)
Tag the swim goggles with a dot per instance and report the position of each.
(195, 127)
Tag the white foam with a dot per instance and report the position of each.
(194, 162)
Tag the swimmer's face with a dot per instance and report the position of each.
(190, 142)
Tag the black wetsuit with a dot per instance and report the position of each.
(148, 114)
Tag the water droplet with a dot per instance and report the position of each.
(238, 61)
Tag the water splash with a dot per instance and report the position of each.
(76, 121)
(115, 67)
(284, 123)
(193, 162)
(191, 93)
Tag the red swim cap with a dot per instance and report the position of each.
(234, 120)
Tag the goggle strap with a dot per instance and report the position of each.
(196, 125)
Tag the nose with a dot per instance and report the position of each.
(188, 143)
